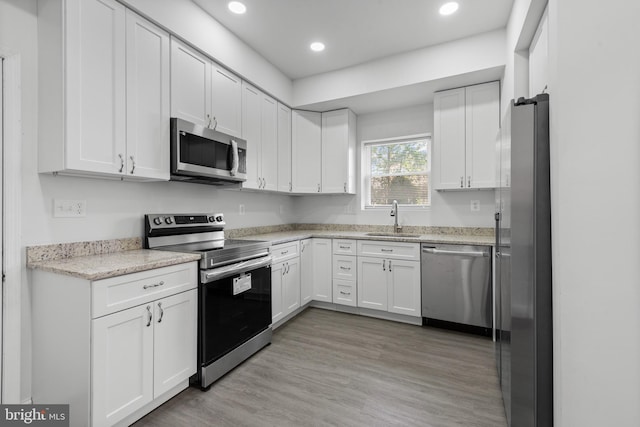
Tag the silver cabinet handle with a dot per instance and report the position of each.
(264, 182)
(345, 268)
(155, 285)
(386, 250)
(290, 187)
(462, 182)
(284, 252)
(469, 181)
(390, 265)
(121, 163)
(215, 123)
(302, 245)
(345, 247)
(161, 312)
(345, 187)
(150, 315)
(284, 269)
(345, 293)
(208, 120)
(133, 164)
(384, 263)
(450, 252)
(318, 188)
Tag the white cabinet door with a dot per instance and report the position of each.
(252, 132)
(344, 292)
(338, 151)
(122, 364)
(449, 138)
(322, 280)
(190, 84)
(482, 124)
(284, 148)
(306, 271)
(372, 283)
(175, 340)
(404, 287)
(148, 103)
(291, 286)
(226, 101)
(277, 280)
(269, 142)
(95, 86)
(306, 151)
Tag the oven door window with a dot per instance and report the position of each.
(229, 320)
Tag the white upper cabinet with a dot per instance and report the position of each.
(203, 92)
(114, 71)
(306, 135)
(190, 84)
(466, 122)
(260, 130)
(284, 148)
(339, 152)
(148, 104)
(226, 101)
(269, 142)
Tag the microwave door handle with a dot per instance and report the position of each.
(234, 158)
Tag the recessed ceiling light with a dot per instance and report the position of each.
(237, 7)
(448, 8)
(317, 46)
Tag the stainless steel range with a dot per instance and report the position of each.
(234, 293)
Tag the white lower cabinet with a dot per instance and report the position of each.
(344, 272)
(114, 349)
(285, 280)
(322, 283)
(306, 271)
(389, 277)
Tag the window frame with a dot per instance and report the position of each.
(365, 169)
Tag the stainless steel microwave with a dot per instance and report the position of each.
(206, 156)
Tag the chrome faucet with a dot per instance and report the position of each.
(394, 213)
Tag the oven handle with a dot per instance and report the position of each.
(233, 269)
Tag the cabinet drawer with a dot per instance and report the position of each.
(285, 251)
(344, 247)
(122, 292)
(344, 267)
(344, 292)
(393, 250)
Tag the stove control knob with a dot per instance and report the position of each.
(168, 220)
(219, 218)
(211, 219)
(157, 220)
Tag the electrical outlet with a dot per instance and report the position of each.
(241, 209)
(69, 208)
(475, 205)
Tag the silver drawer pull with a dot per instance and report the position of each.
(345, 247)
(345, 293)
(345, 268)
(284, 252)
(155, 285)
(386, 250)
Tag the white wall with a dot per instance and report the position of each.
(594, 70)
(433, 63)
(448, 208)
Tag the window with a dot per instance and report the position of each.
(396, 169)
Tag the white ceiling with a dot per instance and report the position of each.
(354, 31)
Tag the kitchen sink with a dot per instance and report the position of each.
(414, 235)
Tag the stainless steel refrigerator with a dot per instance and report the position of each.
(524, 335)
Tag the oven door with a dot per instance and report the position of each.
(197, 151)
(233, 309)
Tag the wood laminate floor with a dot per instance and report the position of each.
(326, 368)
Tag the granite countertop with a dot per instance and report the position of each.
(102, 259)
(452, 238)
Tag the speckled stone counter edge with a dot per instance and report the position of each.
(76, 249)
(456, 231)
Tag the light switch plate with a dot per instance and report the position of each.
(475, 205)
(69, 208)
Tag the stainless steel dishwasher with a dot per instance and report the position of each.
(456, 285)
